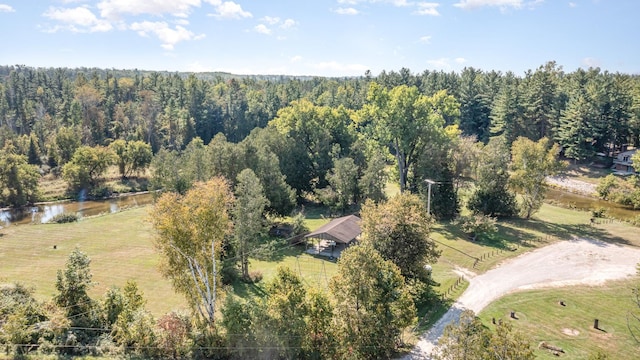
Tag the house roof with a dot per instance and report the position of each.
(342, 230)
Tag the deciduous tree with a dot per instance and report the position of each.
(491, 195)
(18, 179)
(399, 231)
(372, 304)
(406, 120)
(248, 216)
(190, 231)
(531, 163)
(87, 166)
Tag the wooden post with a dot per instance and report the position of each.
(513, 314)
(595, 324)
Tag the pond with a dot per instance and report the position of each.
(587, 203)
(42, 213)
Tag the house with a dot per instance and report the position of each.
(622, 163)
(330, 239)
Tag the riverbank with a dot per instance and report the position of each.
(573, 185)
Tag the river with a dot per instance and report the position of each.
(42, 213)
(582, 202)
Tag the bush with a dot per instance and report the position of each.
(255, 277)
(599, 212)
(476, 225)
(64, 218)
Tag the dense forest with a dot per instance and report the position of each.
(305, 124)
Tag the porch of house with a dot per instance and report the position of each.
(325, 248)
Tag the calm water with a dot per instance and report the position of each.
(581, 202)
(42, 213)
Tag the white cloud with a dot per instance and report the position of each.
(296, 59)
(441, 63)
(115, 9)
(339, 68)
(591, 62)
(572, 4)
(6, 8)
(398, 3)
(228, 10)
(473, 4)
(346, 11)
(271, 20)
(425, 39)
(289, 23)
(460, 60)
(427, 8)
(262, 29)
(168, 36)
(79, 19)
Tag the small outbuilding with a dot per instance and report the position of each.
(330, 239)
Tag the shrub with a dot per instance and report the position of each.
(255, 277)
(64, 218)
(598, 212)
(476, 225)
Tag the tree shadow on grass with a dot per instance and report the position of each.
(248, 290)
(504, 238)
(450, 231)
(584, 231)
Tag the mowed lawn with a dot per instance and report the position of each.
(542, 318)
(119, 245)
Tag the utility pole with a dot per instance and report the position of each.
(430, 182)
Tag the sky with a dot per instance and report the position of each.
(321, 37)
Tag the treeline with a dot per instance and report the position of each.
(585, 111)
(329, 136)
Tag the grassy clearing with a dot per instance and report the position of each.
(119, 245)
(542, 318)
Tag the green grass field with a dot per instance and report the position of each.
(570, 327)
(119, 245)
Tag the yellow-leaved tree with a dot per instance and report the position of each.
(190, 231)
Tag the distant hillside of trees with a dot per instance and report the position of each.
(309, 123)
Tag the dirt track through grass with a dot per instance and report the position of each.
(577, 261)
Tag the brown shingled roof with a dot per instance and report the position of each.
(342, 230)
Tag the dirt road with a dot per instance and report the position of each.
(570, 262)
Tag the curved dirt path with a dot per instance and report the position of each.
(570, 262)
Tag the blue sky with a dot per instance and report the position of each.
(321, 37)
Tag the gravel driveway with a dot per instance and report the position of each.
(571, 262)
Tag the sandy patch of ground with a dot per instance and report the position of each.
(572, 185)
(571, 262)
(570, 332)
